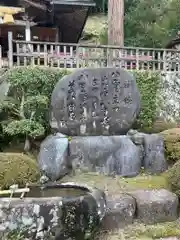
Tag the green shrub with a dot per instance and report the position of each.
(27, 104)
(172, 144)
(173, 178)
(148, 84)
(35, 80)
(17, 168)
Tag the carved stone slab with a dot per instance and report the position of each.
(100, 101)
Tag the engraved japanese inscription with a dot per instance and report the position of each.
(99, 101)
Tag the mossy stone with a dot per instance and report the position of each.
(172, 144)
(112, 186)
(17, 168)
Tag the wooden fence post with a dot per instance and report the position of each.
(10, 49)
(1, 60)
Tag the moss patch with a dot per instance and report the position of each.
(172, 144)
(173, 178)
(118, 184)
(145, 232)
(160, 126)
(17, 168)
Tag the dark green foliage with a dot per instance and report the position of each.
(34, 81)
(148, 83)
(149, 23)
(27, 104)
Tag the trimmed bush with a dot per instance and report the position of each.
(173, 178)
(172, 144)
(17, 168)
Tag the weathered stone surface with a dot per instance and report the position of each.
(106, 154)
(53, 156)
(120, 212)
(155, 206)
(168, 97)
(53, 217)
(100, 101)
(152, 150)
(137, 137)
(128, 158)
(154, 159)
(132, 132)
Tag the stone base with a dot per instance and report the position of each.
(150, 207)
(109, 155)
(121, 211)
(156, 206)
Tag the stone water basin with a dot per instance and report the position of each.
(58, 211)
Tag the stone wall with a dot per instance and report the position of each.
(168, 97)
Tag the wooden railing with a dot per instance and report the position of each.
(1, 58)
(67, 55)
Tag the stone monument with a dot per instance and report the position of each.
(102, 101)
(96, 108)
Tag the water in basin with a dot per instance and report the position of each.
(52, 191)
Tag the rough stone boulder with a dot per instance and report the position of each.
(138, 139)
(154, 159)
(110, 155)
(102, 101)
(120, 212)
(152, 150)
(53, 157)
(155, 206)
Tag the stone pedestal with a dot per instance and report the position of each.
(120, 212)
(156, 206)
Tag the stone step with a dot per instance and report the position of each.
(148, 206)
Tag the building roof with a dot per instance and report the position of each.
(66, 15)
(89, 3)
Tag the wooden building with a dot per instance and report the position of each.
(43, 20)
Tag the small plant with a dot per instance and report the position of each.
(14, 235)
